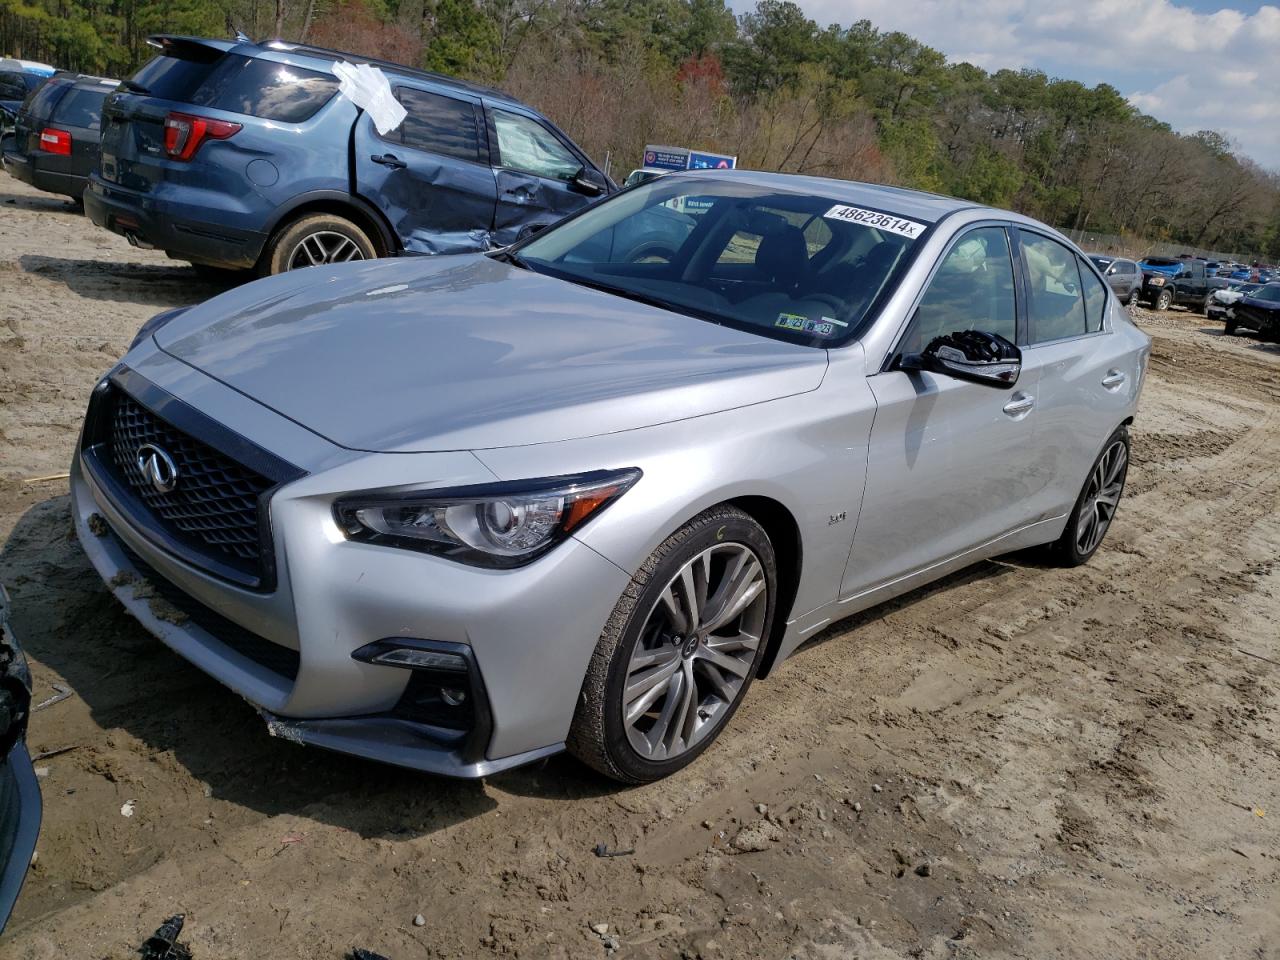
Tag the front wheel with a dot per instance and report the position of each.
(1096, 506)
(680, 650)
(1165, 300)
(316, 240)
(1229, 328)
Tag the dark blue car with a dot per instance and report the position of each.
(241, 155)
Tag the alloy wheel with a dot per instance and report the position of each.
(324, 246)
(1101, 498)
(695, 653)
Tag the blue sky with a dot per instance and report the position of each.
(1195, 64)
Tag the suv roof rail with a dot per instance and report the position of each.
(326, 53)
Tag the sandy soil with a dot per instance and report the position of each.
(1020, 761)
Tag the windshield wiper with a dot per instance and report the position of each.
(506, 255)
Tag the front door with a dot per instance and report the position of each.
(951, 465)
(431, 175)
(535, 171)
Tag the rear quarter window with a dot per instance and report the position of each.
(81, 107)
(259, 88)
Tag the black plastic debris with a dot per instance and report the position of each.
(163, 944)
(360, 954)
(602, 850)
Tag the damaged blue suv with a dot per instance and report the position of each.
(240, 155)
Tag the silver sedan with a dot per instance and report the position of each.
(461, 513)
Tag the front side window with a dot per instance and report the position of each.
(971, 290)
(1055, 307)
(750, 256)
(438, 124)
(1095, 298)
(529, 147)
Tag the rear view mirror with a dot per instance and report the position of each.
(972, 355)
(591, 182)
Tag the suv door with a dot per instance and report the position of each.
(535, 171)
(430, 175)
(951, 465)
(1190, 285)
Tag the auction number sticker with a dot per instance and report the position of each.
(881, 221)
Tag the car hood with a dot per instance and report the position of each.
(466, 352)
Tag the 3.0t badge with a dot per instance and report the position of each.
(157, 467)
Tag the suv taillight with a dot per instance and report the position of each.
(184, 132)
(55, 141)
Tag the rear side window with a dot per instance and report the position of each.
(1095, 298)
(259, 88)
(437, 124)
(265, 89)
(81, 107)
(1055, 306)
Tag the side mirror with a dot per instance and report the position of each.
(589, 181)
(985, 358)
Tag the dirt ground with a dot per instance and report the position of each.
(1020, 761)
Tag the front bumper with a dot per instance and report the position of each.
(181, 230)
(529, 632)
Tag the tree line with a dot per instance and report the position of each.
(772, 86)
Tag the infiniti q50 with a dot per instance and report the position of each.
(465, 512)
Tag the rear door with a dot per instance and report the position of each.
(535, 170)
(430, 175)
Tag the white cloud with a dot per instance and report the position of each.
(1192, 70)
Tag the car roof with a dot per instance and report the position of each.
(329, 57)
(915, 204)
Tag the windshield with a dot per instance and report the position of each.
(791, 266)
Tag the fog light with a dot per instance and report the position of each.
(453, 697)
(413, 655)
(416, 659)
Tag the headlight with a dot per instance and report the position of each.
(1156, 281)
(154, 324)
(496, 525)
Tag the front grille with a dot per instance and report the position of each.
(279, 660)
(213, 507)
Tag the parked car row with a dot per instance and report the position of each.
(240, 155)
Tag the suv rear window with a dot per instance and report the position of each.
(39, 104)
(82, 107)
(249, 85)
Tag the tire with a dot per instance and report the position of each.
(647, 637)
(321, 238)
(1229, 328)
(1164, 300)
(1132, 298)
(1074, 548)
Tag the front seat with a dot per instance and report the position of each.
(782, 259)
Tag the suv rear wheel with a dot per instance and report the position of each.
(314, 240)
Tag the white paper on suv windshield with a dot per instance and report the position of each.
(881, 221)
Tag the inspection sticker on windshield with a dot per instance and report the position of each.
(802, 324)
(881, 221)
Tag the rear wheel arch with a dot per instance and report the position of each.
(364, 215)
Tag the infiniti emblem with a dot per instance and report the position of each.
(157, 467)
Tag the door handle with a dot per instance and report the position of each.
(1020, 405)
(1113, 379)
(389, 160)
